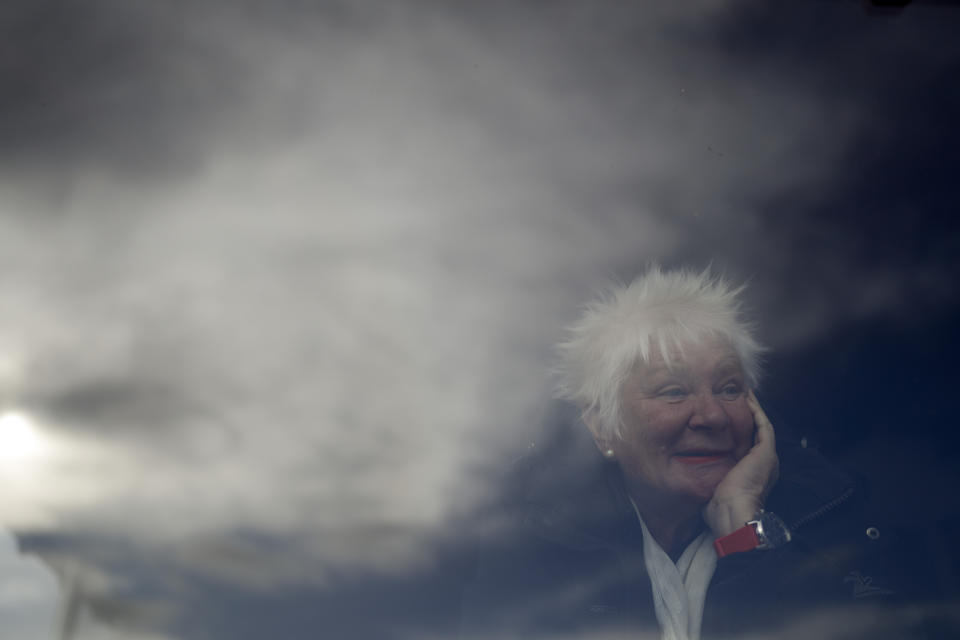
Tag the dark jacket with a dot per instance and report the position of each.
(572, 564)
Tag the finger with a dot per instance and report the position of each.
(765, 434)
(766, 440)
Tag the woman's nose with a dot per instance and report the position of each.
(708, 412)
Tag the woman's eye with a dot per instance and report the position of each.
(673, 394)
(731, 392)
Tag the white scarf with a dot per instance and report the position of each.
(679, 590)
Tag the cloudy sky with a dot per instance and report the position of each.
(278, 284)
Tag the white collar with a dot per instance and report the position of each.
(679, 590)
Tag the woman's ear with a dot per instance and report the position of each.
(592, 420)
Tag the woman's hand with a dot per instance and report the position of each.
(741, 494)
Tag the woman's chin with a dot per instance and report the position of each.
(699, 482)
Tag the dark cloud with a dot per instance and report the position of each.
(120, 85)
(121, 403)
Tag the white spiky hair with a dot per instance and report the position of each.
(659, 311)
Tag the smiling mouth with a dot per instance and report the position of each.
(701, 457)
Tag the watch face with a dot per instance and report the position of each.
(772, 531)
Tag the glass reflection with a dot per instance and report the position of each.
(278, 284)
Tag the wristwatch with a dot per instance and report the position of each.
(765, 531)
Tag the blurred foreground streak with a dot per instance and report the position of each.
(29, 595)
(109, 590)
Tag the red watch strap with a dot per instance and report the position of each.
(743, 539)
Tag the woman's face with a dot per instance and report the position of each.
(684, 427)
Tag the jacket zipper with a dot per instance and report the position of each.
(833, 504)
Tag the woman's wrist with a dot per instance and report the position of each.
(726, 516)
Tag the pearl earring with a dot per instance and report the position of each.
(608, 453)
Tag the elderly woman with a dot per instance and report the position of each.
(688, 524)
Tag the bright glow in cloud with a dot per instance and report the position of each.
(19, 439)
